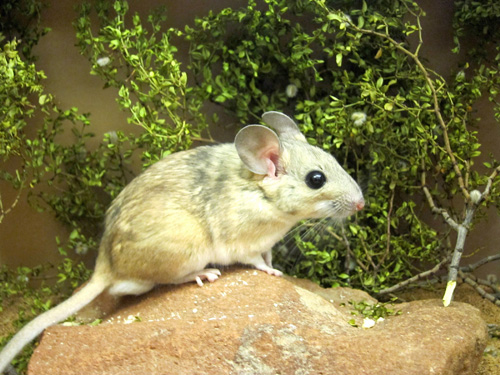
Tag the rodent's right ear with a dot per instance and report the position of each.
(259, 149)
(284, 125)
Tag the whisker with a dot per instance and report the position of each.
(293, 249)
(291, 252)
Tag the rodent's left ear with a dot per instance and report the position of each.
(259, 149)
(284, 125)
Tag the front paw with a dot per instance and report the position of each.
(270, 270)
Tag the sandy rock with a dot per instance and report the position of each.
(338, 296)
(248, 322)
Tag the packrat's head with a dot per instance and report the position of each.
(299, 179)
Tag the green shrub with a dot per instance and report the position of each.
(358, 89)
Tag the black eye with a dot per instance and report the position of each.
(315, 179)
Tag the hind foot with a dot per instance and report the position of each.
(209, 274)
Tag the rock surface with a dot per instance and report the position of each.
(248, 322)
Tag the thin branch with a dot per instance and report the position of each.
(462, 232)
(441, 211)
(472, 267)
(495, 289)
(205, 140)
(10, 370)
(4, 212)
(350, 252)
(432, 205)
(415, 278)
(489, 184)
(388, 245)
(337, 237)
(468, 279)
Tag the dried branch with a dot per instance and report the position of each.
(350, 252)
(3, 211)
(473, 266)
(440, 211)
(389, 213)
(470, 279)
(495, 288)
(10, 370)
(489, 184)
(415, 278)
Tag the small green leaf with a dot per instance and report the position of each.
(338, 59)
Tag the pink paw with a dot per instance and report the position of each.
(210, 274)
(270, 270)
(274, 272)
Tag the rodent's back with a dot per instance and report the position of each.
(182, 210)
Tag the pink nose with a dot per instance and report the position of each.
(359, 205)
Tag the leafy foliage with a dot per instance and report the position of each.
(33, 125)
(140, 63)
(18, 294)
(360, 91)
(374, 312)
(21, 20)
(76, 181)
(478, 19)
(139, 60)
(475, 25)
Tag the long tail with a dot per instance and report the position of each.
(30, 331)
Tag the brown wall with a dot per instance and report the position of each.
(27, 237)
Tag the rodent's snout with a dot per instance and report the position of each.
(359, 205)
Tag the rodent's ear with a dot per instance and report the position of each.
(284, 125)
(259, 149)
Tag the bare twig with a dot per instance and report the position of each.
(4, 212)
(204, 140)
(415, 278)
(388, 246)
(495, 288)
(469, 279)
(473, 266)
(349, 251)
(10, 370)
(440, 211)
(489, 184)
(463, 229)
